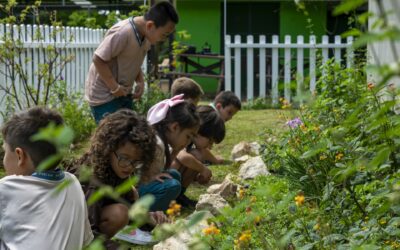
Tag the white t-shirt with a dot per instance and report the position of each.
(34, 214)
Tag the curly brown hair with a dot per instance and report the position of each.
(115, 130)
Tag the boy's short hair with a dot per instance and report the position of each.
(186, 86)
(227, 98)
(211, 124)
(161, 13)
(19, 129)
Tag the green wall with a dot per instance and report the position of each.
(294, 22)
(202, 20)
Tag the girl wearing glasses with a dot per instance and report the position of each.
(123, 145)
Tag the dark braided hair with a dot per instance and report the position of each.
(115, 130)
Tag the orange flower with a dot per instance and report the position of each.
(299, 199)
(371, 86)
(211, 230)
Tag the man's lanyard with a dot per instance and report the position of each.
(50, 175)
(135, 31)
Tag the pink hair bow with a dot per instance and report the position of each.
(159, 111)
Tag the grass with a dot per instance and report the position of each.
(246, 125)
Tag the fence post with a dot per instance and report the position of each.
(227, 61)
(338, 42)
(262, 67)
(275, 69)
(349, 52)
(300, 66)
(312, 64)
(325, 51)
(250, 69)
(237, 67)
(287, 67)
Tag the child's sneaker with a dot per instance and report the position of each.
(135, 236)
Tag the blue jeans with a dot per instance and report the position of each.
(163, 192)
(101, 111)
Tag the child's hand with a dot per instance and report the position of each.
(205, 176)
(219, 159)
(139, 86)
(160, 177)
(157, 218)
(122, 91)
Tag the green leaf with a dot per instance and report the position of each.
(347, 6)
(352, 32)
(380, 157)
(196, 218)
(126, 185)
(49, 162)
(99, 194)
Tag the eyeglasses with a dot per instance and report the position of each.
(125, 162)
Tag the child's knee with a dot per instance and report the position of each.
(176, 175)
(114, 217)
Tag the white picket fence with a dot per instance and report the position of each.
(75, 42)
(291, 52)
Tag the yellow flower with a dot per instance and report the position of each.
(242, 192)
(211, 230)
(382, 221)
(317, 227)
(316, 128)
(174, 209)
(245, 236)
(299, 199)
(323, 157)
(303, 127)
(170, 211)
(339, 156)
(253, 199)
(257, 219)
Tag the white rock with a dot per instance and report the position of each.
(213, 189)
(245, 148)
(211, 202)
(242, 159)
(255, 166)
(182, 240)
(226, 189)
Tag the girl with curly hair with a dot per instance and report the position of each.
(122, 145)
(176, 123)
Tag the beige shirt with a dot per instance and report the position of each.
(124, 56)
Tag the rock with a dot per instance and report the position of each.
(226, 189)
(255, 148)
(255, 166)
(213, 189)
(245, 148)
(242, 159)
(211, 202)
(182, 240)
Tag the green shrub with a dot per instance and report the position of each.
(149, 98)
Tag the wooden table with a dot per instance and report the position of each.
(201, 70)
